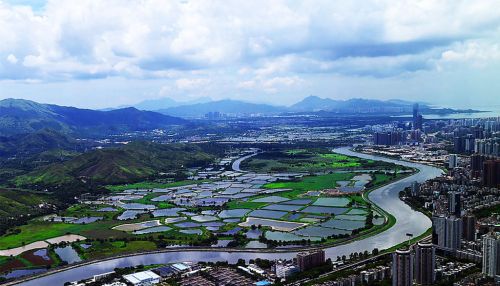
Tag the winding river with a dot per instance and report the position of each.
(386, 197)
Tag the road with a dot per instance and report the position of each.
(237, 163)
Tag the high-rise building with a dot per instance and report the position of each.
(447, 232)
(417, 118)
(453, 239)
(438, 230)
(402, 268)
(308, 260)
(491, 254)
(458, 144)
(387, 138)
(419, 123)
(454, 204)
(469, 227)
(491, 173)
(476, 163)
(452, 161)
(469, 143)
(425, 264)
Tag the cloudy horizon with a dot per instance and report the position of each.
(99, 54)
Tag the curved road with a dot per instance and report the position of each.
(237, 162)
(386, 197)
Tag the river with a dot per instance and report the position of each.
(386, 197)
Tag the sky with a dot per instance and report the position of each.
(98, 54)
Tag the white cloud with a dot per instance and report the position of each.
(274, 84)
(260, 45)
(11, 59)
(138, 39)
(189, 84)
(474, 53)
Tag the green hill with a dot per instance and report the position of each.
(17, 206)
(33, 143)
(130, 163)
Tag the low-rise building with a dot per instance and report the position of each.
(144, 278)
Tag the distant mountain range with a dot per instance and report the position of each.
(19, 116)
(355, 105)
(308, 104)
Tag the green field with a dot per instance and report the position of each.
(311, 183)
(106, 249)
(149, 185)
(35, 231)
(307, 160)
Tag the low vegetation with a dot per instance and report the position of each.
(307, 160)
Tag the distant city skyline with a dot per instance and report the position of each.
(99, 54)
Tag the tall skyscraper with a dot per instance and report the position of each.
(454, 204)
(458, 144)
(425, 264)
(453, 234)
(469, 228)
(417, 118)
(415, 110)
(438, 230)
(419, 123)
(402, 268)
(452, 161)
(491, 173)
(476, 163)
(308, 260)
(447, 232)
(491, 254)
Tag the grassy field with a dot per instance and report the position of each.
(310, 160)
(35, 231)
(106, 249)
(341, 161)
(149, 185)
(311, 183)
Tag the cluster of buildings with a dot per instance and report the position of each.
(402, 133)
(397, 136)
(486, 169)
(477, 136)
(220, 276)
(471, 184)
(303, 262)
(457, 234)
(365, 277)
(418, 265)
(184, 274)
